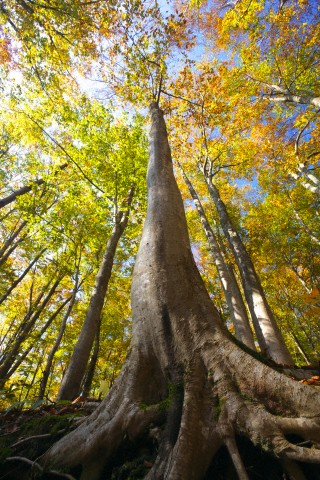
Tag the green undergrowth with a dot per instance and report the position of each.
(29, 433)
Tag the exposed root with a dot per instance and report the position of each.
(230, 443)
(302, 454)
(300, 426)
(198, 439)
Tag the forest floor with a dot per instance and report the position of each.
(25, 434)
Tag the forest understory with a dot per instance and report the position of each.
(25, 434)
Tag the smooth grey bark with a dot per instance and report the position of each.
(310, 181)
(71, 382)
(182, 368)
(23, 190)
(282, 95)
(227, 278)
(268, 334)
(300, 348)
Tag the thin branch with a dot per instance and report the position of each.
(35, 437)
(181, 98)
(64, 151)
(296, 145)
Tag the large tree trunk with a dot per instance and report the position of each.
(227, 278)
(183, 367)
(268, 334)
(72, 380)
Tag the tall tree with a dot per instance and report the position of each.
(72, 380)
(178, 340)
(227, 277)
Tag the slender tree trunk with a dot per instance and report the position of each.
(227, 278)
(12, 238)
(5, 257)
(46, 372)
(21, 277)
(22, 356)
(92, 366)
(300, 348)
(183, 372)
(10, 354)
(268, 334)
(71, 383)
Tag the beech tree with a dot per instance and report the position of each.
(179, 344)
(187, 384)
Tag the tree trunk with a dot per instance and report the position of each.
(227, 278)
(92, 366)
(46, 372)
(12, 238)
(19, 359)
(9, 355)
(71, 383)
(268, 334)
(5, 257)
(183, 369)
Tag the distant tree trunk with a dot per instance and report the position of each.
(5, 257)
(21, 277)
(300, 348)
(18, 360)
(268, 334)
(92, 366)
(12, 238)
(9, 355)
(71, 382)
(46, 372)
(227, 278)
(183, 372)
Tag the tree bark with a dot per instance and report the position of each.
(227, 278)
(281, 95)
(71, 382)
(268, 334)
(183, 370)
